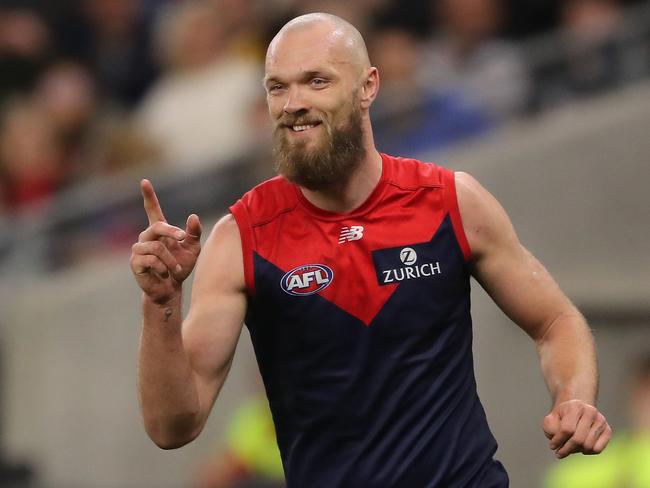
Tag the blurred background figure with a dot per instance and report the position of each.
(408, 117)
(596, 55)
(24, 49)
(199, 112)
(31, 156)
(246, 28)
(464, 55)
(626, 461)
(95, 133)
(251, 458)
(67, 94)
(112, 38)
(593, 26)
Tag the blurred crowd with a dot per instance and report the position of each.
(93, 87)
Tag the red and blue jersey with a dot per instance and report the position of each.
(362, 331)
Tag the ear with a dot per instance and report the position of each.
(370, 87)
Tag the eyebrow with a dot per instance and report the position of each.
(304, 75)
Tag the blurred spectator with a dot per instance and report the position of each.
(24, 50)
(408, 118)
(626, 461)
(465, 56)
(251, 458)
(94, 135)
(592, 54)
(31, 155)
(66, 92)
(593, 26)
(244, 21)
(199, 112)
(112, 38)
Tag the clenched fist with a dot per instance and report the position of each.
(576, 426)
(164, 255)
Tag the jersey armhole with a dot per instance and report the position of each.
(451, 198)
(239, 212)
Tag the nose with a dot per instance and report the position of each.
(295, 101)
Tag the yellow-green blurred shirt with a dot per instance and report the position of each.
(625, 463)
(251, 438)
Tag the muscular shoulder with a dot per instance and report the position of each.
(221, 259)
(485, 222)
(224, 232)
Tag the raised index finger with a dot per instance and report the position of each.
(151, 204)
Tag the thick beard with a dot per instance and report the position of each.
(329, 164)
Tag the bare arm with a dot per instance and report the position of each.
(527, 293)
(183, 363)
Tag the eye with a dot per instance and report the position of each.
(275, 87)
(318, 82)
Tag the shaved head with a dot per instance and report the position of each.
(342, 37)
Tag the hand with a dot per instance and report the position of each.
(576, 426)
(164, 255)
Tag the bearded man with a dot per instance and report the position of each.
(352, 271)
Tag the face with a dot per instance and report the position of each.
(313, 99)
(471, 19)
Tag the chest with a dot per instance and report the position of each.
(359, 265)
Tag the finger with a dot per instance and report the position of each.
(159, 250)
(151, 204)
(597, 429)
(145, 264)
(193, 228)
(577, 440)
(603, 439)
(551, 425)
(161, 229)
(567, 427)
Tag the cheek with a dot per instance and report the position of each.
(275, 106)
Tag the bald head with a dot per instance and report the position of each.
(344, 41)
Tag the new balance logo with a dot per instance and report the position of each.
(352, 233)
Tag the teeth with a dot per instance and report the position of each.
(299, 128)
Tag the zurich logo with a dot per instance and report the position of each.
(408, 256)
(307, 279)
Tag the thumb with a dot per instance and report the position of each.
(193, 228)
(551, 424)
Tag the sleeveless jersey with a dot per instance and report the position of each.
(362, 331)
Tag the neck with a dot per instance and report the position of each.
(347, 196)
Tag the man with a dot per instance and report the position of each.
(352, 270)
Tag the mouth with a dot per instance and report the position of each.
(302, 127)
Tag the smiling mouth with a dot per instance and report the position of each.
(303, 127)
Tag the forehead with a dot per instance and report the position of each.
(308, 49)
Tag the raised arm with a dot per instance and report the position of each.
(183, 363)
(526, 292)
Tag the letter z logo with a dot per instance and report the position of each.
(408, 256)
(352, 233)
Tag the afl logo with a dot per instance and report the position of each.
(307, 279)
(408, 256)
